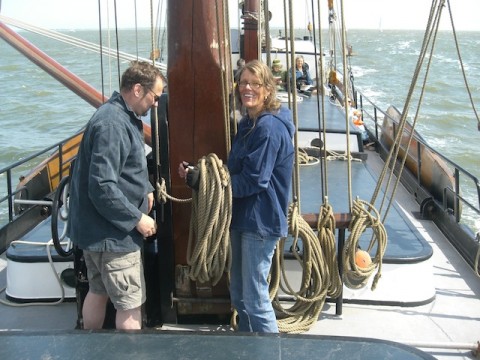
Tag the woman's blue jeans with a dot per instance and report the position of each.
(251, 261)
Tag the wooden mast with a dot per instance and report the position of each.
(198, 62)
(251, 16)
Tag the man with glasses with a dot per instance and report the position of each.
(111, 197)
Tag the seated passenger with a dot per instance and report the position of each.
(302, 74)
(279, 75)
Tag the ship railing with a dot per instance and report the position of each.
(466, 187)
(38, 175)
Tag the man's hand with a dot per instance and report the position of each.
(146, 226)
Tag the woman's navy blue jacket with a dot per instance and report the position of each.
(260, 165)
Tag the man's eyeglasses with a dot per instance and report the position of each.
(155, 96)
(254, 85)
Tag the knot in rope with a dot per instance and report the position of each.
(163, 195)
(334, 155)
(161, 191)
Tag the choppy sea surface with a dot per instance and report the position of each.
(36, 110)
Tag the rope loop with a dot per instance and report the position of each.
(364, 216)
(318, 263)
(304, 157)
(326, 236)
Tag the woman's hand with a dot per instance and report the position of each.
(183, 169)
(191, 174)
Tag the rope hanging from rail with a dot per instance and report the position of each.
(318, 260)
(326, 236)
(356, 275)
(360, 219)
(310, 297)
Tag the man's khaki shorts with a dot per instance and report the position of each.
(118, 275)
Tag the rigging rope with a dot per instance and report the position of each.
(463, 68)
(355, 276)
(358, 224)
(310, 297)
(83, 44)
(319, 259)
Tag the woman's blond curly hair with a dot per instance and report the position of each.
(264, 74)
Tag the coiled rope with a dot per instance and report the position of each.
(326, 235)
(305, 159)
(208, 251)
(319, 271)
(362, 218)
(310, 296)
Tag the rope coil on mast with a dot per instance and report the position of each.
(208, 249)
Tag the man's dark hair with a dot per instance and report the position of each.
(141, 72)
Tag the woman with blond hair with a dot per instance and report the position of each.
(260, 164)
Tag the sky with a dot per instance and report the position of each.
(366, 14)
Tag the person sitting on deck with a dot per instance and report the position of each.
(302, 74)
(278, 74)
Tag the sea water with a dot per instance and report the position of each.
(37, 111)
